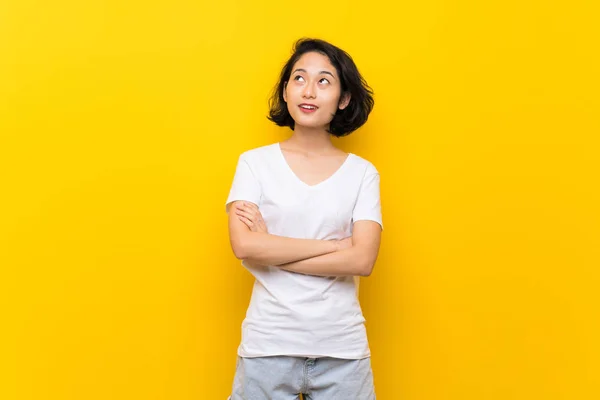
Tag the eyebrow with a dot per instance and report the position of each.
(320, 72)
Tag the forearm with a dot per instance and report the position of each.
(346, 262)
(267, 249)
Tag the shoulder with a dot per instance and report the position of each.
(366, 166)
(258, 154)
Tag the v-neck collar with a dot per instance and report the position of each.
(277, 147)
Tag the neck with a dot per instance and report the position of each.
(316, 141)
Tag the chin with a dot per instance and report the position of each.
(311, 125)
(308, 122)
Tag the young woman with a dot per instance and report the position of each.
(305, 219)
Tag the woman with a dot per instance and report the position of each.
(305, 218)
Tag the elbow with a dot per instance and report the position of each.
(366, 269)
(367, 264)
(239, 249)
(366, 272)
(244, 245)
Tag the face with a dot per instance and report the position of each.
(313, 92)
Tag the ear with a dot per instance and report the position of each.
(284, 91)
(344, 100)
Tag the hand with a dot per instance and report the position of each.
(345, 243)
(248, 213)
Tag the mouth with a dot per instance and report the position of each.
(308, 108)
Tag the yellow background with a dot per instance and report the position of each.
(121, 123)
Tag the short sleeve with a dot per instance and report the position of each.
(368, 203)
(245, 185)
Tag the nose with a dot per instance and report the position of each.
(309, 91)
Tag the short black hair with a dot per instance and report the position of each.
(361, 103)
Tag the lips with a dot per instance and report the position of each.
(308, 108)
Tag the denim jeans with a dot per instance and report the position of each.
(285, 377)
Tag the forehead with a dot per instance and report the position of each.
(314, 62)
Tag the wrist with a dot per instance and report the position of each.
(335, 245)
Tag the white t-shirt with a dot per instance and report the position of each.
(297, 314)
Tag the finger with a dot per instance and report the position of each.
(246, 221)
(247, 204)
(245, 214)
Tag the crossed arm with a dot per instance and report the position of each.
(353, 256)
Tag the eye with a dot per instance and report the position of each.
(298, 77)
(324, 79)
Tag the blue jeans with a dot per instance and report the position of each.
(284, 378)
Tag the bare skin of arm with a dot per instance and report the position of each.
(357, 260)
(355, 256)
(253, 243)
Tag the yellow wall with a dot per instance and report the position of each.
(120, 127)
